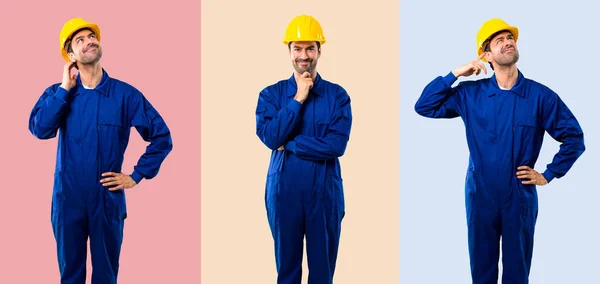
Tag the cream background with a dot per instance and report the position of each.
(242, 53)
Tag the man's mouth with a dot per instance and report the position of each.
(90, 48)
(509, 49)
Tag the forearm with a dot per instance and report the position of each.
(563, 161)
(274, 130)
(150, 162)
(48, 113)
(317, 149)
(434, 101)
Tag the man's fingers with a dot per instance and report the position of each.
(116, 188)
(109, 174)
(482, 67)
(111, 183)
(480, 56)
(112, 178)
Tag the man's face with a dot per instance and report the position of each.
(86, 48)
(304, 56)
(503, 50)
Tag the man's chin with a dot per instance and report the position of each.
(302, 70)
(90, 61)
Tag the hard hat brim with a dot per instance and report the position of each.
(321, 41)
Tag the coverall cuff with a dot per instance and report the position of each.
(294, 106)
(290, 146)
(136, 177)
(61, 94)
(449, 79)
(548, 175)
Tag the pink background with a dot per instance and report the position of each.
(159, 53)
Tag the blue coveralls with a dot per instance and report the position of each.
(94, 132)
(504, 130)
(304, 192)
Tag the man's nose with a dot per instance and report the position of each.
(303, 54)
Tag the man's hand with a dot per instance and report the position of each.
(68, 80)
(473, 67)
(280, 148)
(304, 85)
(534, 177)
(117, 181)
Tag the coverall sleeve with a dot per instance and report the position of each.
(48, 112)
(561, 124)
(273, 125)
(439, 99)
(333, 145)
(152, 128)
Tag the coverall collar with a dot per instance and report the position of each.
(517, 88)
(317, 88)
(102, 86)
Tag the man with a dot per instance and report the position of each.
(306, 121)
(94, 114)
(505, 117)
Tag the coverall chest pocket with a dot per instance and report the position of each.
(113, 130)
(526, 129)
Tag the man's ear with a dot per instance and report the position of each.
(488, 56)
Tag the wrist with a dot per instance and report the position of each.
(548, 175)
(136, 177)
(65, 87)
(299, 98)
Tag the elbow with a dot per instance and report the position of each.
(579, 144)
(42, 134)
(340, 150)
(425, 111)
(271, 142)
(169, 147)
(581, 148)
(421, 110)
(340, 153)
(166, 146)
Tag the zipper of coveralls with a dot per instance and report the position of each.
(98, 153)
(512, 152)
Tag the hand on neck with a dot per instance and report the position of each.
(506, 76)
(90, 74)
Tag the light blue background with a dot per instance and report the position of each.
(558, 45)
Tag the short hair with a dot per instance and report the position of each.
(318, 45)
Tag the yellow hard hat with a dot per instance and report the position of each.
(491, 27)
(304, 28)
(72, 26)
